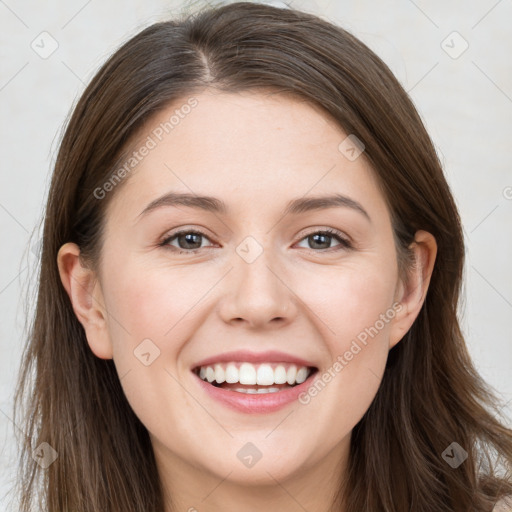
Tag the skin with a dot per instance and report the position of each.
(256, 152)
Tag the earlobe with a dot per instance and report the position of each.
(86, 298)
(412, 294)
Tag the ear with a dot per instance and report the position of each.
(86, 297)
(412, 293)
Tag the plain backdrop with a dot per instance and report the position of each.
(452, 57)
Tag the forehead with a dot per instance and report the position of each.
(254, 149)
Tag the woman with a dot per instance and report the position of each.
(249, 287)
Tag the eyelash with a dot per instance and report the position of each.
(344, 243)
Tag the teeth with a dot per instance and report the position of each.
(280, 375)
(259, 391)
(265, 375)
(290, 374)
(249, 374)
(302, 375)
(210, 374)
(220, 376)
(231, 374)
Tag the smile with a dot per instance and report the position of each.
(254, 378)
(256, 387)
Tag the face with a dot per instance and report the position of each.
(269, 282)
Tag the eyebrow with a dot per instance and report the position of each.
(294, 207)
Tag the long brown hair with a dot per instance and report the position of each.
(431, 395)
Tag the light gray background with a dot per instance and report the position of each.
(465, 101)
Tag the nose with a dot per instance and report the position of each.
(258, 294)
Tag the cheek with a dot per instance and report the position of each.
(351, 299)
(151, 319)
(356, 309)
(155, 303)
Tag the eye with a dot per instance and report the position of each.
(321, 239)
(188, 240)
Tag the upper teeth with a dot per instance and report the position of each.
(247, 373)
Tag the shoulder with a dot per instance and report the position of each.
(504, 505)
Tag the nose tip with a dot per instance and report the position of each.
(256, 294)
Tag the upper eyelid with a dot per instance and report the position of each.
(328, 231)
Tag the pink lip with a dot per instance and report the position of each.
(256, 403)
(271, 356)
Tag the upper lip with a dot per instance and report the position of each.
(271, 356)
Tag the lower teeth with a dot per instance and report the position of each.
(258, 391)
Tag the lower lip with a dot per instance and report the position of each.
(256, 403)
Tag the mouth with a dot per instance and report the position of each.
(254, 382)
(254, 378)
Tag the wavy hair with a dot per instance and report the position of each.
(431, 394)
